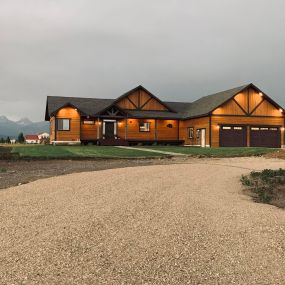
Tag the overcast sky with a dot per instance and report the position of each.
(179, 50)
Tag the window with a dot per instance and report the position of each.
(190, 133)
(88, 122)
(198, 132)
(273, 129)
(144, 126)
(255, 129)
(227, 128)
(170, 126)
(63, 124)
(238, 128)
(264, 129)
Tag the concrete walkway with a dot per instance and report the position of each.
(152, 150)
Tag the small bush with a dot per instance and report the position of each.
(3, 170)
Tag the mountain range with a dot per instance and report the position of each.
(13, 128)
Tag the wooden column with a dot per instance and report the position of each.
(155, 129)
(248, 135)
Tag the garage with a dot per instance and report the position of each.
(233, 136)
(265, 137)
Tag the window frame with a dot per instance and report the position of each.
(91, 122)
(62, 130)
(140, 127)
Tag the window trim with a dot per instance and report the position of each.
(188, 133)
(144, 131)
(57, 119)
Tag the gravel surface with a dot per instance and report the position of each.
(169, 224)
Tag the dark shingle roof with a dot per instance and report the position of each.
(207, 104)
(181, 110)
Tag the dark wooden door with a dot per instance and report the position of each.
(265, 137)
(233, 136)
(109, 130)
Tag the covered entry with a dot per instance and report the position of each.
(265, 137)
(233, 136)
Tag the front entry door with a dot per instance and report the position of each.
(109, 130)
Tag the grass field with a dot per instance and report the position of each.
(215, 152)
(48, 151)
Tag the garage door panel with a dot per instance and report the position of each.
(265, 137)
(233, 136)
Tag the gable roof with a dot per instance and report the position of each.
(176, 110)
(87, 106)
(140, 87)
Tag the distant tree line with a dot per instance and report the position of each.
(7, 140)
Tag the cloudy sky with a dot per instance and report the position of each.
(178, 49)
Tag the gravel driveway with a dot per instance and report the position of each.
(170, 224)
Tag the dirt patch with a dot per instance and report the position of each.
(17, 172)
(277, 154)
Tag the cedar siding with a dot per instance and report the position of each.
(94, 120)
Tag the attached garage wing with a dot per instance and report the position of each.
(265, 137)
(233, 136)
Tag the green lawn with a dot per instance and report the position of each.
(49, 151)
(215, 152)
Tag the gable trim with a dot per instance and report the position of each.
(246, 113)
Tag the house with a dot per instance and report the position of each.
(239, 117)
(32, 139)
(43, 136)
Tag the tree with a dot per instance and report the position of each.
(21, 138)
(8, 140)
(2, 140)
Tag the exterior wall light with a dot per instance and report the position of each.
(261, 94)
(281, 110)
(218, 127)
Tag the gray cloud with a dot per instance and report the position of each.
(179, 50)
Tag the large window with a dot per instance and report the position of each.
(144, 126)
(190, 132)
(63, 124)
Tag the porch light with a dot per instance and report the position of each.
(281, 110)
(75, 109)
(218, 127)
(261, 94)
(283, 129)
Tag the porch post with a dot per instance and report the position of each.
(98, 128)
(126, 128)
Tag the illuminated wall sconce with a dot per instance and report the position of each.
(281, 110)
(261, 94)
(75, 109)
(218, 127)
(99, 123)
(120, 124)
(283, 129)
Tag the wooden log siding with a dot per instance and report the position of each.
(74, 133)
(52, 129)
(196, 124)
(89, 131)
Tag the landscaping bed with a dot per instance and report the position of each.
(267, 186)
